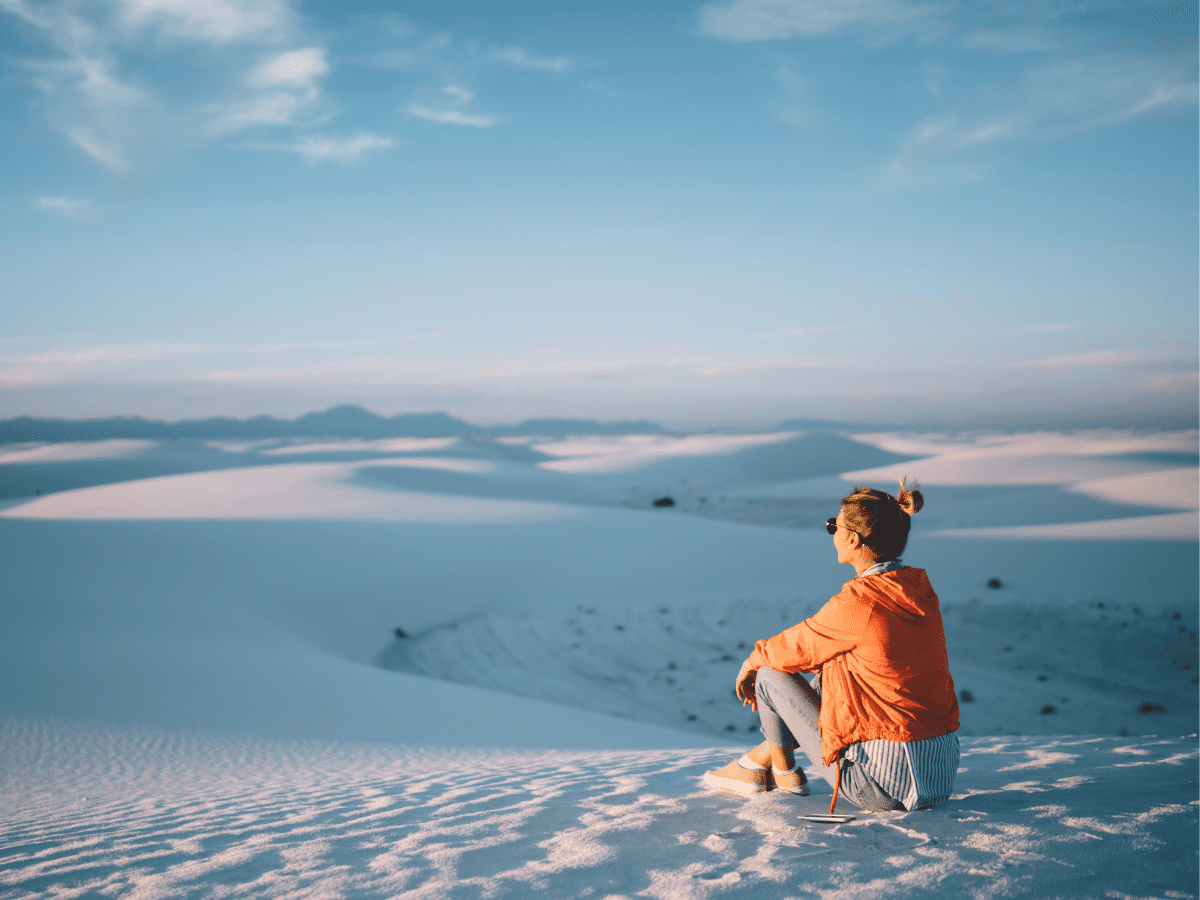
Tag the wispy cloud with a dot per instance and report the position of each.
(449, 72)
(797, 106)
(135, 362)
(1062, 70)
(769, 365)
(1096, 359)
(515, 56)
(136, 85)
(280, 88)
(1049, 328)
(211, 21)
(451, 111)
(1174, 382)
(451, 116)
(810, 330)
(106, 154)
(63, 366)
(113, 353)
(65, 206)
(317, 148)
(293, 69)
(123, 84)
(1053, 99)
(770, 20)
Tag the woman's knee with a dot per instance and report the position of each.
(785, 687)
(774, 679)
(769, 677)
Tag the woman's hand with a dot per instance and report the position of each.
(745, 685)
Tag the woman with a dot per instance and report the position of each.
(878, 721)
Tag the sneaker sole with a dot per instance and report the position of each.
(801, 791)
(731, 784)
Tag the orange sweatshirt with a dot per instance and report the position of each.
(882, 651)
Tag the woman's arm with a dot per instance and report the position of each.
(837, 628)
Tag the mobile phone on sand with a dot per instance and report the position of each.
(828, 819)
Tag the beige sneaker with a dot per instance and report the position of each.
(734, 778)
(792, 782)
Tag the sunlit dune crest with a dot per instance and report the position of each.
(1170, 488)
(1169, 526)
(301, 491)
(1096, 442)
(594, 455)
(115, 448)
(1035, 458)
(382, 445)
(440, 463)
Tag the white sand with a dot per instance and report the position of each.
(302, 491)
(379, 445)
(621, 453)
(70, 451)
(1113, 466)
(201, 692)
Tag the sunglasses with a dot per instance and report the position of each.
(832, 526)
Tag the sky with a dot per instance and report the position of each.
(919, 214)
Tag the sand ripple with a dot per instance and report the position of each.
(137, 813)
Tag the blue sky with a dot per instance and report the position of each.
(925, 213)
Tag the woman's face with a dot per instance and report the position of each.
(841, 539)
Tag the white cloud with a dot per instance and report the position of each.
(772, 365)
(110, 158)
(72, 209)
(1052, 100)
(1092, 360)
(1064, 72)
(95, 79)
(515, 56)
(767, 20)
(131, 102)
(453, 114)
(1017, 38)
(111, 353)
(1048, 328)
(115, 83)
(265, 109)
(84, 94)
(132, 363)
(63, 366)
(346, 149)
(1183, 94)
(212, 21)
(282, 87)
(797, 106)
(811, 330)
(1186, 381)
(294, 69)
(322, 148)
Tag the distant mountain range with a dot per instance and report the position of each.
(340, 421)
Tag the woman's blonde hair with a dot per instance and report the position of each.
(881, 520)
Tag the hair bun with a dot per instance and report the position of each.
(910, 499)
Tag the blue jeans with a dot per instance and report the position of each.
(789, 710)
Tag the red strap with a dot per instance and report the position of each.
(837, 783)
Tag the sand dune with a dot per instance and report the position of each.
(202, 691)
(302, 491)
(74, 450)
